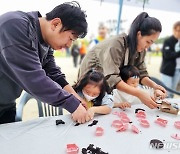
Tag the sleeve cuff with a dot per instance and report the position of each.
(62, 82)
(71, 104)
(113, 81)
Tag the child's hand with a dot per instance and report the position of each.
(84, 103)
(90, 113)
(159, 94)
(123, 105)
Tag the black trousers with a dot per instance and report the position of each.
(75, 60)
(8, 115)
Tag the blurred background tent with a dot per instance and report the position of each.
(108, 11)
(166, 5)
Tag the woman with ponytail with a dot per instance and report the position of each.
(110, 55)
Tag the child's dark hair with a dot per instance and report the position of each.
(129, 71)
(72, 17)
(96, 78)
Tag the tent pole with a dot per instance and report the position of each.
(119, 15)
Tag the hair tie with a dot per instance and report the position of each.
(135, 77)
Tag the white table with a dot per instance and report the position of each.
(42, 136)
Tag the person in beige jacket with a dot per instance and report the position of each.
(110, 55)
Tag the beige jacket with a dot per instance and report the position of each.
(108, 57)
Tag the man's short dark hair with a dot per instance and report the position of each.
(72, 18)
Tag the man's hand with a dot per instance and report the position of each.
(79, 115)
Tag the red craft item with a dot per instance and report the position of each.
(72, 149)
(99, 131)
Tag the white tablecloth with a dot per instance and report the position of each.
(42, 136)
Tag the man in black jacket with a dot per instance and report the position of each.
(170, 67)
(27, 41)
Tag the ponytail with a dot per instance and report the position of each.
(146, 25)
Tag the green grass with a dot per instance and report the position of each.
(154, 54)
(59, 53)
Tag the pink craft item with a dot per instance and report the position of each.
(175, 136)
(122, 128)
(177, 124)
(99, 131)
(144, 123)
(135, 129)
(122, 114)
(117, 123)
(116, 113)
(125, 119)
(141, 114)
(72, 149)
(161, 122)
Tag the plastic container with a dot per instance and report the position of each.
(72, 149)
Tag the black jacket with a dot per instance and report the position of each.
(169, 56)
(27, 62)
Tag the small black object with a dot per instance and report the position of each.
(98, 150)
(84, 151)
(92, 150)
(155, 143)
(77, 124)
(136, 110)
(157, 116)
(59, 122)
(102, 152)
(93, 123)
(90, 147)
(130, 122)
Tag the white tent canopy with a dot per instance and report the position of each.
(166, 5)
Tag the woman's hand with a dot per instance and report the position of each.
(150, 83)
(159, 94)
(162, 89)
(147, 100)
